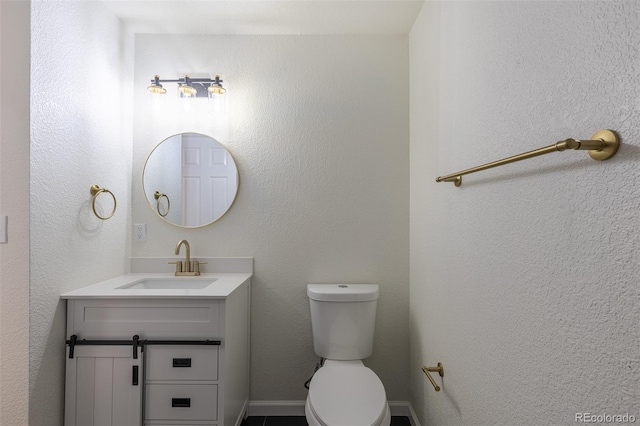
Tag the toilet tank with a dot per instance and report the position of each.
(343, 319)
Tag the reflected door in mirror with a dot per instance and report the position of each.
(208, 181)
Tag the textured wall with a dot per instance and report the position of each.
(14, 202)
(524, 281)
(80, 136)
(318, 127)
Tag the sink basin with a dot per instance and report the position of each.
(168, 284)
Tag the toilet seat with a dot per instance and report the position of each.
(346, 393)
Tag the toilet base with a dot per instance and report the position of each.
(311, 418)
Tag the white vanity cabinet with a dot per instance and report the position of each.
(192, 361)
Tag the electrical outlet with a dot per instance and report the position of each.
(139, 232)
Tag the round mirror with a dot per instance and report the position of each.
(190, 180)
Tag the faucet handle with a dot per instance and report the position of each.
(196, 266)
(178, 265)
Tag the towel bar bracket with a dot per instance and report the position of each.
(611, 144)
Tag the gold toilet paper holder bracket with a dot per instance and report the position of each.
(439, 369)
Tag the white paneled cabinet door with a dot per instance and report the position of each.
(103, 387)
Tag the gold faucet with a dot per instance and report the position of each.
(188, 268)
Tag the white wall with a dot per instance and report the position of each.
(524, 281)
(14, 202)
(81, 69)
(318, 127)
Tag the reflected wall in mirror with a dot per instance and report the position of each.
(190, 180)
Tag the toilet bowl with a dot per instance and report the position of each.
(346, 393)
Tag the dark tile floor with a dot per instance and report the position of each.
(300, 421)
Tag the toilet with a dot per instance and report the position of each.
(343, 392)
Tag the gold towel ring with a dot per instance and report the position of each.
(95, 191)
(157, 195)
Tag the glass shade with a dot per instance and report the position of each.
(216, 89)
(186, 90)
(157, 89)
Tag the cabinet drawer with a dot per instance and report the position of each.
(182, 363)
(181, 402)
(149, 318)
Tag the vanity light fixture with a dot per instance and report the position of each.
(190, 87)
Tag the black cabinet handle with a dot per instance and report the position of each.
(134, 376)
(181, 402)
(182, 362)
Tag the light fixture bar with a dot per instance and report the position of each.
(189, 87)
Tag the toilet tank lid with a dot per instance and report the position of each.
(342, 292)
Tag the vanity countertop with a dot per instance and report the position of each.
(222, 287)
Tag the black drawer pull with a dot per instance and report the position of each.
(181, 402)
(182, 362)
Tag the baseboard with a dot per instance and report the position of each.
(243, 412)
(296, 408)
(276, 408)
(405, 409)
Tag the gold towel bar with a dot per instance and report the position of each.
(602, 145)
(439, 369)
